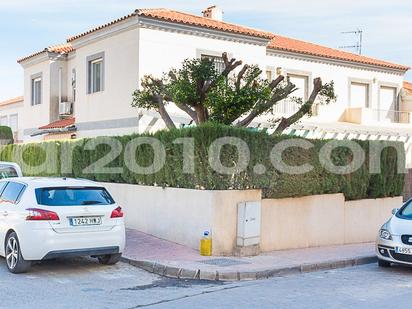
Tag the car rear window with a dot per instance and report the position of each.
(73, 196)
(7, 172)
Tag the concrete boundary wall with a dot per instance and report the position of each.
(182, 215)
(322, 220)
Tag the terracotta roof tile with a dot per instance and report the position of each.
(62, 123)
(61, 49)
(194, 20)
(12, 101)
(302, 47)
(407, 86)
(182, 18)
(277, 42)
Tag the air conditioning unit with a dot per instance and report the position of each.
(65, 108)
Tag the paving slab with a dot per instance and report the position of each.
(177, 261)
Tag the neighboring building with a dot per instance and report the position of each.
(9, 116)
(88, 82)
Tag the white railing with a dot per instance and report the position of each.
(286, 107)
(391, 116)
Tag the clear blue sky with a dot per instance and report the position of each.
(27, 26)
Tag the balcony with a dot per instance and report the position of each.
(362, 115)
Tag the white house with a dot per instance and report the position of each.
(84, 87)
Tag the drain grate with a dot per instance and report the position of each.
(223, 262)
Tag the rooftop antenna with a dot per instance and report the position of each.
(358, 46)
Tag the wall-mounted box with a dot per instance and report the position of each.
(248, 223)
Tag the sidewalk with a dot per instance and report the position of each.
(176, 261)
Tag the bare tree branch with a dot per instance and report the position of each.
(188, 111)
(274, 83)
(262, 107)
(164, 114)
(240, 76)
(304, 109)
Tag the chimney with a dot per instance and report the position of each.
(213, 12)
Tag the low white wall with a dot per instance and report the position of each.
(178, 215)
(309, 221)
(322, 220)
(182, 215)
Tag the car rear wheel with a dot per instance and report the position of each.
(383, 263)
(109, 259)
(15, 262)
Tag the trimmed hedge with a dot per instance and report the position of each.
(275, 184)
(6, 135)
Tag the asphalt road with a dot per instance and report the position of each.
(83, 283)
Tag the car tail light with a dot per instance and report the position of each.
(117, 213)
(36, 214)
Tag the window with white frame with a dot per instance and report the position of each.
(95, 71)
(269, 75)
(4, 121)
(217, 61)
(13, 122)
(359, 94)
(36, 92)
(301, 82)
(289, 105)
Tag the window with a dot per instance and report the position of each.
(4, 121)
(2, 186)
(269, 76)
(67, 196)
(359, 94)
(74, 84)
(217, 61)
(7, 172)
(95, 71)
(13, 122)
(301, 82)
(12, 192)
(36, 91)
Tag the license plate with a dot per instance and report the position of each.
(85, 221)
(403, 250)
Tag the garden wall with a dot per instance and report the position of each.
(182, 215)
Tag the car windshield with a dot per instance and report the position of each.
(71, 196)
(406, 210)
(7, 172)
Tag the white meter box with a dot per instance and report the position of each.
(248, 223)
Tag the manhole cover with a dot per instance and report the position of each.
(223, 262)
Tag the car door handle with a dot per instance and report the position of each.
(5, 213)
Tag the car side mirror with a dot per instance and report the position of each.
(394, 211)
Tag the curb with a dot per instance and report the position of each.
(190, 274)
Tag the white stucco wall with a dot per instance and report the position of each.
(14, 109)
(36, 115)
(121, 77)
(342, 75)
(132, 53)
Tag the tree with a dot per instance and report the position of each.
(6, 135)
(235, 96)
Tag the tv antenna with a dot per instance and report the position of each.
(358, 46)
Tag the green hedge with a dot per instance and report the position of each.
(275, 184)
(6, 135)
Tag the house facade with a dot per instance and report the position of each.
(84, 87)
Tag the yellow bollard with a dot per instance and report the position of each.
(206, 245)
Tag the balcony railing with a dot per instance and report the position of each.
(286, 107)
(391, 116)
(289, 107)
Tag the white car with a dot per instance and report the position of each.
(46, 218)
(9, 169)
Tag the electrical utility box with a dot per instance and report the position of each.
(248, 223)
